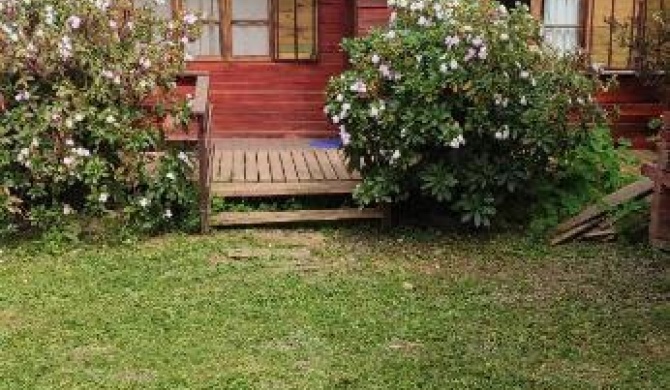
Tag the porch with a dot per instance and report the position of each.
(254, 168)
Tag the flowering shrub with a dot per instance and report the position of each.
(460, 102)
(74, 126)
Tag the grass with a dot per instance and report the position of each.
(334, 309)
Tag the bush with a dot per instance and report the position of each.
(75, 77)
(461, 103)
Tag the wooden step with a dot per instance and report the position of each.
(230, 219)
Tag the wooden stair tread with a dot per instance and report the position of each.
(274, 217)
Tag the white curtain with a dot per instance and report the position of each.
(562, 24)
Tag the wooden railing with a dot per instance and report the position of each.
(202, 112)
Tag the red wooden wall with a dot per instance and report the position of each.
(371, 13)
(264, 99)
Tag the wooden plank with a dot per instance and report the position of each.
(300, 165)
(250, 190)
(276, 169)
(264, 167)
(637, 190)
(575, 232)
(289, 166)
(251, 166)
(260, 217)
(326, 167)
(313, 165)
(337, 162)
(226, 166)
(238, 166)
(215, 166)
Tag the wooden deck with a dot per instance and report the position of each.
(255, 168)
(263, 168)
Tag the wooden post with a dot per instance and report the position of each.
(536, 9)
(660, 206)
(203, 112)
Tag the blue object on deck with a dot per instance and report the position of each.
(331, 143)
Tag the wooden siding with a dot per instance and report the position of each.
(371, 13)
(279, 99)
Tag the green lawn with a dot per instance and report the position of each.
(331, 309)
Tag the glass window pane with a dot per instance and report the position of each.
(250, 10)
(562, 25)
(606, 47)
(296, 36)
(251, 41)
(209, 43)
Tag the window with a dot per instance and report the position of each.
(281, 30)
(562, 24)
(587, 25)
(295, 30)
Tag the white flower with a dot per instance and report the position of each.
(74, 22)
(457, 142)
(504, 37)
(144, 203)
(67, 209)
(453, 64)
(523, 101)
(359, 86)
(145, 63)
(68, 161)
(104, 197)
(168, 214)
(190, 18)
(524, 74)
(171, 176)
(82, 152)
(376, 59)
(110, 119)
(503, 134)
(184, 158)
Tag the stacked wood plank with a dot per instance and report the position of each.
(596, 223)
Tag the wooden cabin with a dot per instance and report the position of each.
(270, 60)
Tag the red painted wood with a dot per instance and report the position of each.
(266, 99)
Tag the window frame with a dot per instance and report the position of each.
(583, 30)
(226, 23)
(639, 8)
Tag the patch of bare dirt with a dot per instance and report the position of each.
(89, 352)
(10, 319)
(289, 238)
(137, 376)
